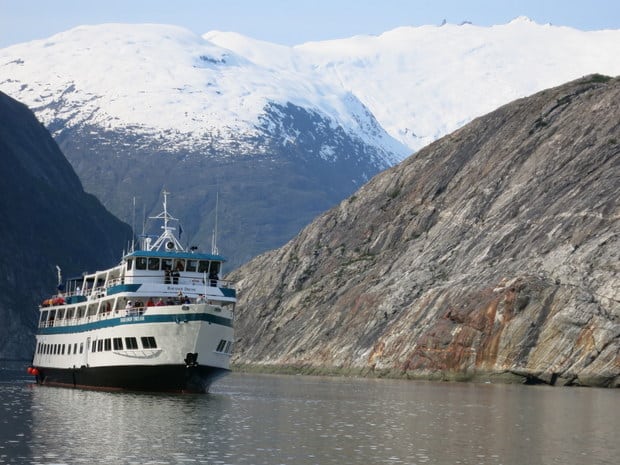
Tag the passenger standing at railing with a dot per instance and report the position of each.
(129, 307)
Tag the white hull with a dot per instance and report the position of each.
(162, 337)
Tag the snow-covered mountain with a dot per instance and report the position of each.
(160, 80)
(424, 82)
(139, 107)
(282, 133)
(418, 82)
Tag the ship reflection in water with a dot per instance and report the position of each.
(264, 419)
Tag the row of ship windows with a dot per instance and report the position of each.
(180, 264)
(131, 343)
(98, 345)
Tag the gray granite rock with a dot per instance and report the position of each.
(493, 253)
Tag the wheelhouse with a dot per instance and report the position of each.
(171, 267)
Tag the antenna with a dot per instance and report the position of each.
(59, 275)
(214, 250)
(133, 225)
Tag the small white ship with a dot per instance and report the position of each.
(162, 320)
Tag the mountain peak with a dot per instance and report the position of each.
(522, 20)
(161, 78)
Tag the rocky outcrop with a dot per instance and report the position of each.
(493, 253)
(47, 220)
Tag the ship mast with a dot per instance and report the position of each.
(214, 250)
(167, 238)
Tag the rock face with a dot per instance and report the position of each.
(47, 220)
(492, 253)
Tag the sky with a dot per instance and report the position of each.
(292, 22)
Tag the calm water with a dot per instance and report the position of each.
(297, 420)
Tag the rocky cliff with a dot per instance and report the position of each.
(493, 253)
(47, 220)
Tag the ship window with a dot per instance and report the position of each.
(166, 264)
(100, 345)
(69, 349)
(62, 352)
(153, 264)
(81, 347)
(215, 268)
(94, 347)
(227, 349)
(220, 346)
(140, 263)
(129, 263)
(108, 344)
(191, 265)
(203, 266)
(131, 343)
(149, 342)
(43, 316)
(179, 265)
(118, 343)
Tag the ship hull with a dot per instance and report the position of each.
(161, 378)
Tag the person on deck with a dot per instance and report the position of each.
(129, 307)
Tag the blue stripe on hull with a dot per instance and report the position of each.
(141, 319)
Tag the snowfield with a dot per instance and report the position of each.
(399, 90)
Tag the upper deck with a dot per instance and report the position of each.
(159, 270)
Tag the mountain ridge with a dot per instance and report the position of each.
(450, 73)
(47, 221)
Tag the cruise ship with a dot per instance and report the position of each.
(161, 320)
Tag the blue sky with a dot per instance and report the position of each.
(291, 22)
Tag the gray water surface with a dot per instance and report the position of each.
(299, 420)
